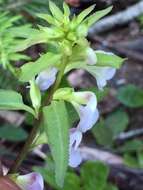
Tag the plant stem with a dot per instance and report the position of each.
(36, 124)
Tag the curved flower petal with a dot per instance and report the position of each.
(75, 158)
(74, 154)
(75, 138)
(32, 181)
(103, 74)
(91, 56)
(88, 114)
(46, 78)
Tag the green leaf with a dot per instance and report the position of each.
(130, 161)
(102, 135)
(72, 181)
(84, 13)
(48, 18)
(30, 70)
(11, 100)
(105, 59)
(131, 146)
(57, 130)
(40, 37)
(66, 10)
(56, 12)
(131, 96)
(110, 186)
(72, 113)
(140, 158)
(95, 17)
(117, 122)
(94, 175)
(11, 133)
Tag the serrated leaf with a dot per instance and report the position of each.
(94, 175)
(106, 59)
(57, 130)
(11, 100)
(11, 133)
(95, 17)
(84, 13)
(130, 96)
(56, 12)
(30, 70)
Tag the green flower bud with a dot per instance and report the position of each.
(35, 95)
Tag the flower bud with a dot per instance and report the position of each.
(35, 95)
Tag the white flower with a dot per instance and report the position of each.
(74, 154)
(32, 181)
(46, 78)
(88, 114)
(103, 74)
(91, 56)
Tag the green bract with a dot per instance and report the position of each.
(30, 70)
(11, 100)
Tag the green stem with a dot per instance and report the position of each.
(37, 123)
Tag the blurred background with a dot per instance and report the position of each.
(116, 142)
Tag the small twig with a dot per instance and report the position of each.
(13, 118)
(118, 19)
(130, 134)
(96, 154)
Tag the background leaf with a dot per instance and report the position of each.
(94, 175)
(117, 122)
(12, 133)
(130, 96)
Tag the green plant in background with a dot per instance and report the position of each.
(89, 178)
(130, 96)
(8, 42)
(70, 50)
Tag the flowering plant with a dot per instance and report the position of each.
(69, 49)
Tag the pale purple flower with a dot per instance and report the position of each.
(88, 117)
(32, 181)
(103, 74)
(89, 113)
(46, 78)
(74, 154)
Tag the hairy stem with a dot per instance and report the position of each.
(36, 124)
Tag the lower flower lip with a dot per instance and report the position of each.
(7, 184)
